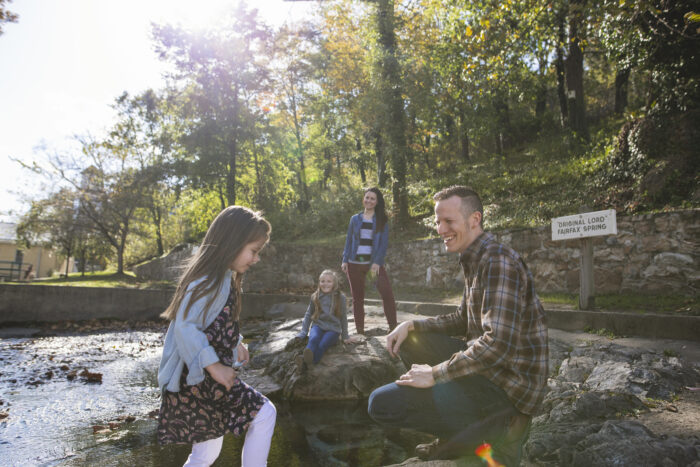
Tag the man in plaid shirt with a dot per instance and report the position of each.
(486, 385)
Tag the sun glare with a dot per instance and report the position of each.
(187, 14)
(209, 13)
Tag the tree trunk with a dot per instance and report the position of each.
(426, 151)
(504, 129)
(360, 161)
(222, 200)
(463, 137)
(328, 168)
(303, 203)
(157, 217)
(574, 70)
(541, 98)
(231, 174)
(621, 84)
(381, 159)
(120, 257)
(233, 151)
(560, 69)
(68, 252)
(83, 261)
(258, 178)
(394, 124)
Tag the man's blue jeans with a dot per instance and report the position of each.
(320, 341)
(468, 410)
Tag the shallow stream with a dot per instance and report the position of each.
(56, 414)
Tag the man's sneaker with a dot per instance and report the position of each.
(308, 356)
(427, 450)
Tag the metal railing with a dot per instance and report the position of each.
(12, 271)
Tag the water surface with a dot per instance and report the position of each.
(57, 418)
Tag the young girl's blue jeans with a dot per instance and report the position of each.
(320, 341)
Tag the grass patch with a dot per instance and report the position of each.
(664, 304)
(601, 332)
(108, 278)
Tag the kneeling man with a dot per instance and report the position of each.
(486, 385)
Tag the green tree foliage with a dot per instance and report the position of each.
(52, 222)
(147, 129)
(519, 98)
(222, 78)
(6, 16)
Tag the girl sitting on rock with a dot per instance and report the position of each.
(328, 312)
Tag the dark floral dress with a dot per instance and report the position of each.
(207, 410)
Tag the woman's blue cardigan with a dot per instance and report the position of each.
(380, 240)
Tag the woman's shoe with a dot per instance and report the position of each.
(299, 360)
(308, 356)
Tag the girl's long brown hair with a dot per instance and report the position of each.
(336, 296)
(233, 229)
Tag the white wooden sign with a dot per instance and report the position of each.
(587, 224)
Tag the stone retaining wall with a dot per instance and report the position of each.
(650, 254)
(23, 303)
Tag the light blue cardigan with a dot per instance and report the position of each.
(185, 342)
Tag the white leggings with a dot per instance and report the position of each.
(255, 447)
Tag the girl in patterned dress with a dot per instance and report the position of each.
(202, 396)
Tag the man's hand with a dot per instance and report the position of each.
(344, 267)
(419, 376)
(374, 269)
(397, 336)
(222, 374)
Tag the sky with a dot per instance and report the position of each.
(65, 61)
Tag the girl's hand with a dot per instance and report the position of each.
(374, 269)
(352, 340)
(222, 374)
(344, 267)
(243, 355)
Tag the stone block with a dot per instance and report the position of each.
(673, 259)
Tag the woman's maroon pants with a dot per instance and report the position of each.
(356, 276)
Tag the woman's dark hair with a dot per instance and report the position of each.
(380, 208)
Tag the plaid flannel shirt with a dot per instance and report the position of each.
(499, 309)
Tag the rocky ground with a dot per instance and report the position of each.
(624, 401)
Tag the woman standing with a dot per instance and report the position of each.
(365, 247)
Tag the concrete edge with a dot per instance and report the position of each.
(34, 303)
(619, 323)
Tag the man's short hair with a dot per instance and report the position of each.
(470, 199)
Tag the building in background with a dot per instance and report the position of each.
(14, 262)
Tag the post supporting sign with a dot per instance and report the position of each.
(584, 226)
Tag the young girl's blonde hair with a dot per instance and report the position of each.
(231, 230)
(337, 295)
